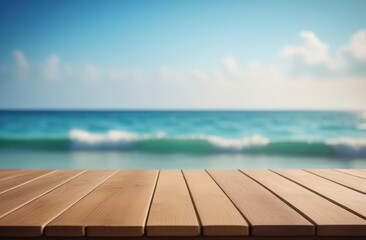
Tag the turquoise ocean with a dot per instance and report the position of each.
(182, 139)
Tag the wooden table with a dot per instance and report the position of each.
(183, 204)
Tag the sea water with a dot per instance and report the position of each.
(182, 139)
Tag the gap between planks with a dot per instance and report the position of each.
(344, 197)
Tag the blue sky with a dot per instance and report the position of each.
(183, 54)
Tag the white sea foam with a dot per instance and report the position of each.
(362, 121)
(120, 140)
(349, 146)
(236, 144)
(361, 126)
(116, 138)
(111, 139)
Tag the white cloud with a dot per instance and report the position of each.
(68, 69)
(20, 59)
(164, 72)
(311, 51)
(91, 72)
(312, 58)
(200, 75)
(50, 69)
(124, 74)
(231, 65)
(22, 65)
(251, 85)
(357, 46)
(267, 88)
(256, 71)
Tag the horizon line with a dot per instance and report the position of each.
(173, 110)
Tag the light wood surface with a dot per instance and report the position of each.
(118, 207)
(353, 172)
(18, 197)
(172, 212)
(330, 219)
(183, 204)
(30, 219)
(13, 178)
(192, 238)
(12, 173)
(5, 173)
(349, 181)
(267, 214)
(217, 214)
(352, 200)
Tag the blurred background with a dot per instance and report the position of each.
(182, 84)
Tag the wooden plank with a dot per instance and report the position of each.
(192, 238)
(118, 207)
(10, 173)
(18, 197)
(5, 173)
(347, 198)
(195, 238)
(353, 172)
(330, 219)
(29, 220)
(346, 180)
(267, 214)
(172, 212)
(10, 179)
(217, 214)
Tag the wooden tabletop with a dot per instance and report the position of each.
(183, 204)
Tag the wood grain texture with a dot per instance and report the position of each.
(345, 197)
(346, 180)
(29, 220)
(330, 219)
(354, 172)
(81, 203)
(172, 212)
(8, 173)
(18, 197)
(10, 179)
(118, 207)
(267, 214)
(217, 214)
(189, 238)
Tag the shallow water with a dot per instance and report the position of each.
(112, 159)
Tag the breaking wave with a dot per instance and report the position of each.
(162, 143)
